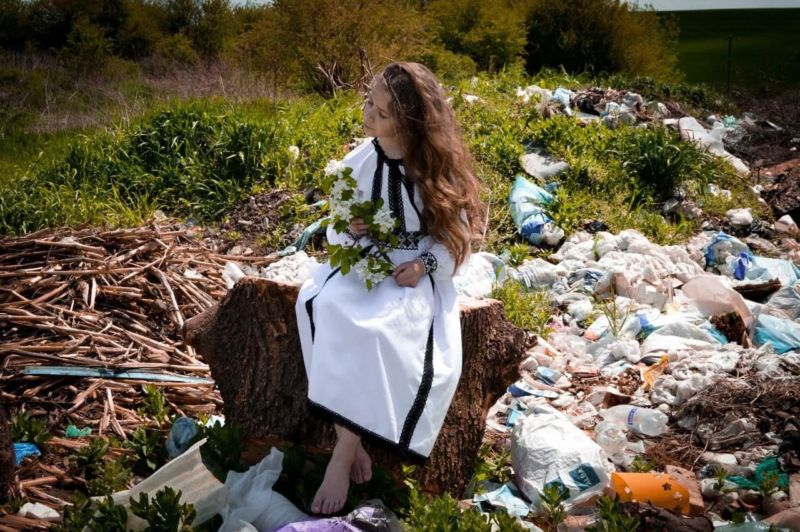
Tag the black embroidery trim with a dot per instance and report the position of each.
(429, 261)
(418, 406)
(352, 235)
(310, 303)
(395, 197)
(409, 239)
(377, 180)
(329, 415)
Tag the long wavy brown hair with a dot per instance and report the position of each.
(435, 157)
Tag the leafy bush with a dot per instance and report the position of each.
(492, 33)
(598, 36)
(28, 429)
(529, 310)
(164, 513)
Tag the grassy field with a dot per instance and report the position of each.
(765, 53)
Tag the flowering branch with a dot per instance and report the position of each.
(370, 263)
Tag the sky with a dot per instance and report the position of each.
(688, 5)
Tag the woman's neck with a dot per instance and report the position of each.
(391, 147)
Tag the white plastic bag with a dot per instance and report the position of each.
(546, 447)
(251, 500)
(186, 474)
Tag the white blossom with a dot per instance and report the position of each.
(294, 153)
(384, 219)
(335, 167)
(340, 186)
(364, 272)
(341, 209)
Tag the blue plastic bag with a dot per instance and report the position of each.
(180, 437)
(22, 450)
(783, 334)
(721, 246)
(527, 202)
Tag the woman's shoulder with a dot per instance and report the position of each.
(363, 149)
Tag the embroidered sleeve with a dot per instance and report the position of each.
(429, 261)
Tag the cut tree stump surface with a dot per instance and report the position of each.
(251, 343)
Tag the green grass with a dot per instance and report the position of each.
(200, 158)
(765, 52)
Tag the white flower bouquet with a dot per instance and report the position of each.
(371, 262)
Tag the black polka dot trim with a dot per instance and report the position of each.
(429, 261)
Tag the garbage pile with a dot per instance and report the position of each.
(685, 358)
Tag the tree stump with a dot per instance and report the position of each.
(251, 344)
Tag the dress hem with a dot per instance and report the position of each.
(366, 434)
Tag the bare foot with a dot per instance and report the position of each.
(361, 471)
(332, 494)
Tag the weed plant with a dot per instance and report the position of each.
(198, 159)
(528, 310)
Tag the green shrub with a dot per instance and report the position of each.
(528, 310)
(28, 429)
(492, 33)
(598, 36)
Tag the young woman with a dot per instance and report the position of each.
(384, 364)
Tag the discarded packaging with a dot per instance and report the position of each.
(658, 489)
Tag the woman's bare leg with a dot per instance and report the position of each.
(362, 466)
(332, 494)
(361, 471)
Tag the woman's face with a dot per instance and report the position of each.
(377, 120)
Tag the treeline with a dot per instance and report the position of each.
(319, 44)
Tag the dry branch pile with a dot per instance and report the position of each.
(107, 301)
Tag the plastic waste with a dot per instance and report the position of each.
(478, 277)
(659, 489)
(294, 269)
(612, 439)
(740, 217)
(787, 301)
(37, 510)
(723, 246)
(537, 274)
(23, 450)
(766, 269)
(527, 201)
(74, 432)
(250, 499)
(180, 436)
(186, 474)
(768, 468)
(563, 96)
(547, 448)
(506, 496)
(783, 334)
(371, 515)
(645, 421)
(786, 224)
(692, 130)
(305, 236)
(541, 165)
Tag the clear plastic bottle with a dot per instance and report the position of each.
(641, 420)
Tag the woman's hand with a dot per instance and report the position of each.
(409, 273)
(358, 227)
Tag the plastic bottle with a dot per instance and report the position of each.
(641, 420)
(611, 438)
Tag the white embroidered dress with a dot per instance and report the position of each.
(384, 363)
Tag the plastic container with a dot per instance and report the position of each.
(659, 489)
(640, 420)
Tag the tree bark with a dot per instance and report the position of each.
(251, 344)
(6, 455)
